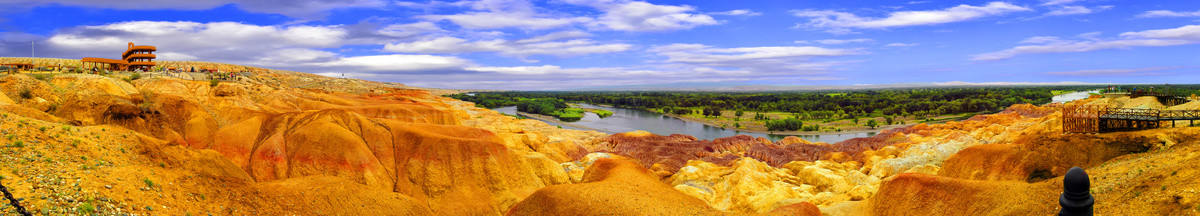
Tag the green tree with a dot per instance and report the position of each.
(890, 120)
(872, 123)
(712, 111)
(682, 111)
(739, 113)
(790, 124)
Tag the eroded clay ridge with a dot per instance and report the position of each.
(434, 151)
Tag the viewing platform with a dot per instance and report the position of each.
(1100, 119)
(135, 57)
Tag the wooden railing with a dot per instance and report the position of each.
(1095, 119)
(1179, 114)
(1132, 114)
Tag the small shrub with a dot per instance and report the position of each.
(43, 128)
(86, 208)
(148, 182)
(18, 144)
(135, 76)
(10, 136)
(25, 94)
(213, 82)
(41, 77)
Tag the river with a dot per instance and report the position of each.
(625, 120)
(1063, 98)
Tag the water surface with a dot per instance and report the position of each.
(625, 120)
(1063, 98)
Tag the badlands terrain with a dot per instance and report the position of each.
(290, 143)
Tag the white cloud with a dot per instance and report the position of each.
(645, 17)
(559, 71)
(617, 15)
(445, 45)
(1090, 36)
(1058, 2)
(556, 36)
(1147, 71)
(176, 56)
(297, 47)
(739, 12)
(845, 41)
(410, 29)
(841, 22)
(524, 70)
(521, 48)
(1041, 39)
(1077, 10)
(295, 56)
(698, 53)
(1162, 37)
(218, 40)
(901, 44)
(303, 9)
(1189, 32)
(791, 62)
(497, 20)
(1167, 13)
(498, 14)
(397, 63)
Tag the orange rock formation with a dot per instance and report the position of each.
(397, 147)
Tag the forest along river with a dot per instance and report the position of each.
(625, 120)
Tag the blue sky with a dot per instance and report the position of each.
(565, 44)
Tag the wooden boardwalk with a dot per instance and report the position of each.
(1099, 119)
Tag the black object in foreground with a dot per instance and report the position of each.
(9, 196)
(1076, 198)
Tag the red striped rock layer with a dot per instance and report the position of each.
(666, 154)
